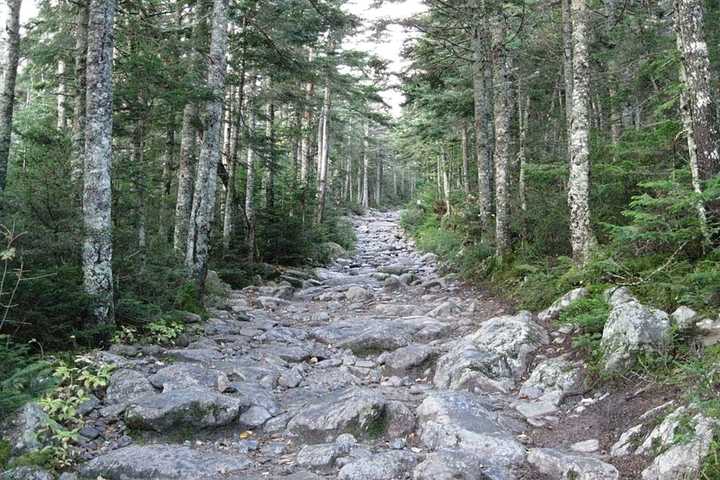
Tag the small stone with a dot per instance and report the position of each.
(586, 446)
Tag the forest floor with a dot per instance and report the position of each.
(368, 369)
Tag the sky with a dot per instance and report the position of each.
(389, 47)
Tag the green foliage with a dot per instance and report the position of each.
(164, 331)
(5, 451)
(187, 298)
(23, 376)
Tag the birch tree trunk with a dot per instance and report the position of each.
(581, 237)
(97, 194)
(523, 109)
(61, 96)
(188, 142)
(198, 243)
(700, 105)
(250, 175)
(324, 142)
(567, 35)
(305, 143)
(9, 60)
(81, 47)
(270, 164)
(503, 108)
(366, 167)
(230, 193)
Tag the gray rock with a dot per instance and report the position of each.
(199, 355)
(177, 409)
(189, 317)
(26, 473)
(456, 465)
(27, 428)
(627, 442)
(631, 329)
(183, 375)
(381, 466)
(357, 294)
(460, 421)
(443, 310)
(399, 419)
(684, 317)
(290, 378)
(163, 462)
(563, 465)
(395, 268)
(359, 411)
(586, 446)
(493, 357)
(407, 358)
(392, 283)
(562, 304)
(318, 457)
(254, 417)
(709, 331)
(618, 295)
(549, 383)
(126, 385)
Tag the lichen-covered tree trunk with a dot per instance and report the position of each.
(270, 160)
(503, 108)
(78, 135)
(188, 140)
(567, 36)
(250, 175)
(97, 194)
(366, 167)
(689, 26)
(198, 243)
(581, 237)
(9, 60)
(230, 193)
(523, 103)
(483, 99)
(61, 96)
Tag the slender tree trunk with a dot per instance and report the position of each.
(465, 159)
(61, 96)
(700, 105)
(324, 146)
(443, 167)
(523, 109)
(250, 176)
(198, 243)
(484, 133)
(567, 35)
(97, 195)
(366, 167)
(166, 180)
(188, 141)
(378, 177)
(270, 166)
(305, 144)
(230, 192)
(9, 62)
(81, 47)
(503, 108)
(138, 160)
(581, 236)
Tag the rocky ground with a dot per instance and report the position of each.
(375, 368)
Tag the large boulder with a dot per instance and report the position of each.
(561, 465)
(456, 465)
(631, 329)
(27, 427)
(681, 443)
(407, 358)
(178, 409)
(460, 421)
(163, 462)
(562, 304)
(125, 385)
(548, 385)
(26, 473)
(492, 358)
(358, 411)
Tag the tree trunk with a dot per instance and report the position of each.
(700, 105)
(567, 35)
(61, 96)
(445, 179)
(250, 175)
(465, 159)
(378, 177)
(305, 144)
(188, 142)
(503, 108)
(324, 142)
(201, 217)
(523, 109)
(81, 46)
(366, 167)
(97, 195)
(230, 193)
(9, 62)
(484, 133)
(581, 237)
(270, 163)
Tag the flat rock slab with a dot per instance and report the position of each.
(359, 411)
(559, 464)
(177, 409)
(456, 465)
(163, 462)
(460, 421)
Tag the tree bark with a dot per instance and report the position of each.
(324, 143)
(567, 35)
(97, 195)
(250, 176)
(700, 105)
(270, 152)
(445, 179)
(61, 96)
(81, 47)
(366, 167)
(465, 159)
(581, 237)
(198, 243)
(503, 107)
(9, 62)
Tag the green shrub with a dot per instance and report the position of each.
(23, 376)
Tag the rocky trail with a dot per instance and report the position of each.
(375, 368)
